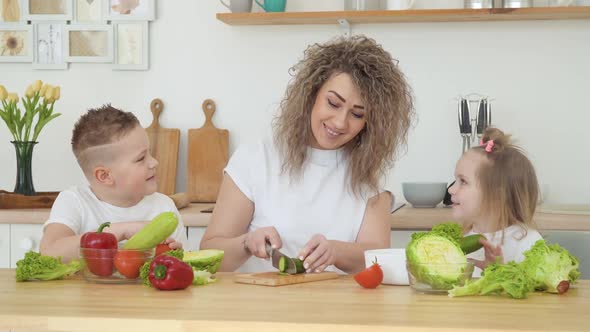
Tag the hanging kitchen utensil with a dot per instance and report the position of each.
(465, 123)
(164, 148)
(208, 154)
(484, 117)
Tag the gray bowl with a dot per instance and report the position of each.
(424, 194)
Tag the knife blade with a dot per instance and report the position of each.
(275, 256)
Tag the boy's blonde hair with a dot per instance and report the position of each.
(100, 126)
(386, 96)
(508, 182)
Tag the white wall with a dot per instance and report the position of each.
(537, 71)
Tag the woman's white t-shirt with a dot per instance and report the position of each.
(320, 202)
(79, 209)
(514, 245)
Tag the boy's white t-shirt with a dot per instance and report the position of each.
(318, 203)
(515, 244)
(79, 209)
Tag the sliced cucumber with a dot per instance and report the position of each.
(284, 265)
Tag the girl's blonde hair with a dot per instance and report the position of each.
(385, 94)
(508, 182)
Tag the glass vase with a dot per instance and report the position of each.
(24, 161)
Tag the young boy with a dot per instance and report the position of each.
(112, 150)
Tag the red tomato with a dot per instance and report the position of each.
(371, 277)
(162, 248)
(129, 262)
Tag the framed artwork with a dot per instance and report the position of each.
(130, 10)
(16, 43)
(88, 11)
(49, 46)
(89, 43)
(48, 10)
(11, 11)
(131, 46)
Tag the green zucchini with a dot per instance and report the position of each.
(471, 243)
(283, 265)
(156, 231)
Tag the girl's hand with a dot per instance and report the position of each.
(317, 254)
(492, 254)
(255, 242)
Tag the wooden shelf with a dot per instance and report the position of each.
(407, 16)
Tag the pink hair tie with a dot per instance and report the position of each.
(489, 145)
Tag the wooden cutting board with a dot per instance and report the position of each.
(164, 147)
(276, 279)
(208, 153)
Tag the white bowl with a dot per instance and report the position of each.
(424, 194)
(393, 264)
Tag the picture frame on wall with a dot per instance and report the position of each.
(89, 43)
(11, 11)
(49, 46)
(88, 11)
(16, 43)
(131, 46)
(48, 10)
(130, 10)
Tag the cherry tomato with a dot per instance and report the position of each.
(371, 277)
(129, 262)
(162, 248)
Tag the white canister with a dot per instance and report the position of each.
(363, 5)
(399, 4)
(314, 5)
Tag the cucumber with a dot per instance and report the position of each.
(284, 266)
(156, 231)
(471, 243)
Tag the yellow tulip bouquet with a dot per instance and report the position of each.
(38, 105)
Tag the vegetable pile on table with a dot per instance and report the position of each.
(438, 257)
(548, 268)
(202, 264)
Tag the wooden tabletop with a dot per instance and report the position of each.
(406, 218)
(333, 305)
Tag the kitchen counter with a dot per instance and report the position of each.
(405, 218)
(333, 305)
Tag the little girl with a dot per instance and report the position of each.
(495, 194)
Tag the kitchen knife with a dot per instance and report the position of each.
(481, 117)
(275, 256)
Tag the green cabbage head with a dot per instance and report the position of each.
(436, 260)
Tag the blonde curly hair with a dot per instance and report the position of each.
(386, 96)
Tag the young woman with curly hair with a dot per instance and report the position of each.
(315, 190)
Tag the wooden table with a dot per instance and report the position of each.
(334, 305)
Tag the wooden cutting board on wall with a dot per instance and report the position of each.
(164, 147)
(208, 153)
(276, 279)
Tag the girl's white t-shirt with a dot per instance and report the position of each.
(514, 245)
(320, 202)
(79, 209)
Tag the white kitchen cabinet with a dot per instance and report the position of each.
(195, 234)
(23, 238)
(4, 246)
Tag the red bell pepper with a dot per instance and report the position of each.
(170, 273)
(99, 249)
